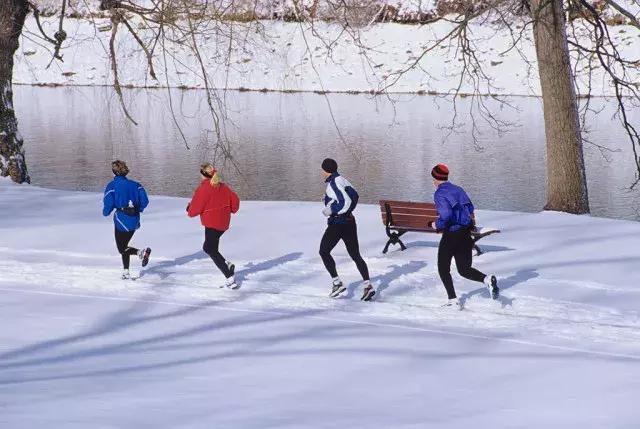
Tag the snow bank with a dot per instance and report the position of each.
(281, 56)
(79, 346)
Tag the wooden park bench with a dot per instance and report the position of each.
(400, 217)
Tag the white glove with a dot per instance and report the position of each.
(326, 211)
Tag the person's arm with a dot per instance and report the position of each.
(108, 201)
(471, 211)
(328, 202)
(353, 196)
(444, 212)
(235, 201)
(143, 198)
(196, 206)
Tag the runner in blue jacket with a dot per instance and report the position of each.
(455, 221)
(128, 199)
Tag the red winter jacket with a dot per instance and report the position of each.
(214, 204)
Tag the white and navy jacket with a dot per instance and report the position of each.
(341, 198)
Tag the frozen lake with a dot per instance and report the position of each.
(388, 147)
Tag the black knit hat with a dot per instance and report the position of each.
(330, 165)
(440, 172)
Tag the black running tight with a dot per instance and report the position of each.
(347, 232)
(122, 242)
(210, 246)
(458, 245)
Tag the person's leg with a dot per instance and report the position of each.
(463, 255)
(210, 246)
(445, 254)
(350, 238)
(122, 242)
(329, 240)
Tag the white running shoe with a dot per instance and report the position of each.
(126, 275)
(369, 292)
(492, 284)
(453, 302)
(337, 287)
(231, 283)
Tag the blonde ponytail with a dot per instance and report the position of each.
(215, 180)
(207, 170)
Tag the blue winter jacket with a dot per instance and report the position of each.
(341, 198)
(118, 194)
(454, 207)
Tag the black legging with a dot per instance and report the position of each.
(122, 242)
(210, 247)
(347, 232)
(458, 245)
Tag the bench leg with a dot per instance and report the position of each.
(386, 247)
(402, 246)
(394, 238)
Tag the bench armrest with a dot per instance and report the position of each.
(480, 232)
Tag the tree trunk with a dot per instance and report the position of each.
(12, 163)
(566, 179)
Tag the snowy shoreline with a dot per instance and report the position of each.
(372, 93)
(282, 58)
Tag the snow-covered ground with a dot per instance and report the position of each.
(81, 348)
(280, 56)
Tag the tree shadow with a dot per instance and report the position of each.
(128, 317)
(74, 348)
(244, 320)
(382, 281)
(205, 341)
(252, 268)
(506, 283)
(161, 268)
(256, 343)
(119, 320)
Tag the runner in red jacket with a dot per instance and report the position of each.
(214, 202)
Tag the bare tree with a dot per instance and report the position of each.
(562, 48)
(555, 41)
(157, 27)
(12, 162)
(566, 177)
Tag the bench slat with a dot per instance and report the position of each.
(409, 229)
(410, 221)
(428, 216)
(414, 212)
(410, 204)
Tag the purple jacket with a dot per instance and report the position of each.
(455, 209)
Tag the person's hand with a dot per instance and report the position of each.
(431, 224)
(326, 211)
(188, 205)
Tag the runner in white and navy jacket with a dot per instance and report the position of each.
(339, 203)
